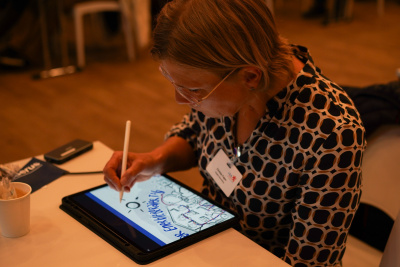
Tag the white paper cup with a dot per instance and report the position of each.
(15, 213)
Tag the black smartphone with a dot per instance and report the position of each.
(68, 151)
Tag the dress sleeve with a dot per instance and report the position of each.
(186, 129)
(327, 199)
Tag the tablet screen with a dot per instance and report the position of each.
(156, 212)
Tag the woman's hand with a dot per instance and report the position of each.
(174, 155)
(140, 167)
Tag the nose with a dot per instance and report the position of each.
(181, 99)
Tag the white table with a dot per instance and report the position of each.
(56, 239)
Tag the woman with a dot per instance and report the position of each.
(293, 136)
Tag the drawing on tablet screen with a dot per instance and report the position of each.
(133, 205)
(163, 208)
(185, 209)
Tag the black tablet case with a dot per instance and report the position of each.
(128, 248)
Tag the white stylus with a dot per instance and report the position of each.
(125, 155)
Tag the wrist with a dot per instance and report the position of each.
(174, 155)
(159, 160)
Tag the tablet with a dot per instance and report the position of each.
(158, 217)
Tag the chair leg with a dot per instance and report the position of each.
(348, 13)
(79, 39)
(129, 39)
(127, 28)
(330, 13)
(381, 7)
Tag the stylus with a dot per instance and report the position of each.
(125, 155)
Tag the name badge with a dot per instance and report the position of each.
(224, 172)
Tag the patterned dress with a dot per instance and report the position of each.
(301, 168)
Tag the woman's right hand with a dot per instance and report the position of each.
(140, 167)
(175, 154)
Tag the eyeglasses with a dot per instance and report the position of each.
(192, 95)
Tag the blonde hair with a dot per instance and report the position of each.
(221, 35)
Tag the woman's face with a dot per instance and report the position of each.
(224, 99)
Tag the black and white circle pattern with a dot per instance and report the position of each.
(301, 168)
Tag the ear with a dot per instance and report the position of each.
(251, 77)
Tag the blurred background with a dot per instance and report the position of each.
(38, 115)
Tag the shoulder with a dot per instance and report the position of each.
(314, 93)
(311, 109)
